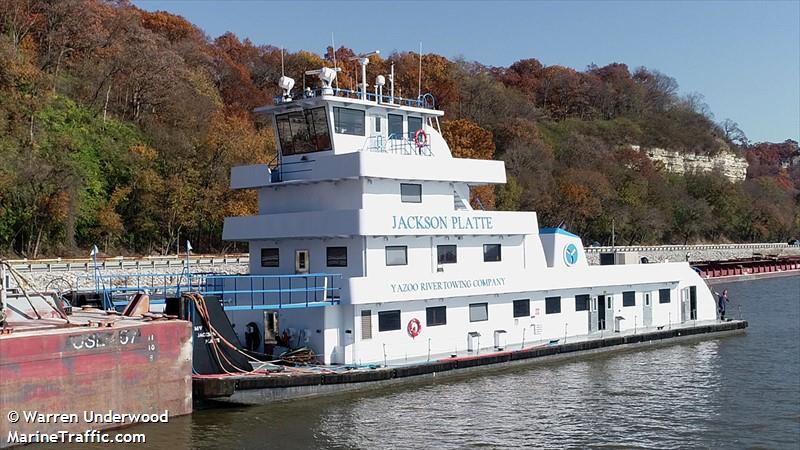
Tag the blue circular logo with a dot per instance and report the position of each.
(571, 254)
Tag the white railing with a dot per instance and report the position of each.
(396, 145)
(170, 261)
(122, 263)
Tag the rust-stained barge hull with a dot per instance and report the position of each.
(96, 364)
(262, 389)
(748, 268)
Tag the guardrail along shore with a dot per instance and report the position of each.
(703, 252)
(126, 262)
(689, 248)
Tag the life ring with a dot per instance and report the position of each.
(414, 328)
(421, 138)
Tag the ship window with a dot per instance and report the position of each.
(303, 131)
(389, 320)
(270, 257)
(395, 126)
(491, 252)
(447, 254)
(629, 298)
(366, 324)
(377, 124)
(410, 193)
(664, 296)
(337, 256)
(552, 305)
(436, 315)
(414, 125)
(647, 299)
(522, 308)
(478, 312)
(349, 121)
(581, 302)
(396, 255)
(317, 120)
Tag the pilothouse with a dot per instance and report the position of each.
(368, 251)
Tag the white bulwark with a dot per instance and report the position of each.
(365, 195)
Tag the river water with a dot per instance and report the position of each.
(734, 392)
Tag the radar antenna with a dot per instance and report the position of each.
(326, 76)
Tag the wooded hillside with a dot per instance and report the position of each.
(118, 127)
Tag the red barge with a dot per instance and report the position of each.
(757, 266)
(86, 362)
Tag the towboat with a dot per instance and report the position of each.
(367, 250)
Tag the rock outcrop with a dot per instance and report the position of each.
(730, 165)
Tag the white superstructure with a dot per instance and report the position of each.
(366, 194)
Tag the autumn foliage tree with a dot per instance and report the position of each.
(468, 140)
(119, 127)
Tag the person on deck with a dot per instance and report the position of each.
(722, 300)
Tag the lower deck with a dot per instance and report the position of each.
(260, 388)
(392, 332)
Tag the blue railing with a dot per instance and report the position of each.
(238, 292)
(426, 101)
(252, 292)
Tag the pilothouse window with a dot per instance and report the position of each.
(414, 125)
(395, 126)
(303, 131)
(349, 121)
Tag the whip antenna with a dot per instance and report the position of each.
(419, 85)
(333, 49)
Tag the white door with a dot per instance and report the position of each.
(647, 311)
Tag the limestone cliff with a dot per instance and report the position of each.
(729, 164)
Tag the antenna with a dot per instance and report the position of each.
(419, 85)
(287, 83)
(391, 80)
(363, 60)
(335, 67)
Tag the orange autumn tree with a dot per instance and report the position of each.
(468, 140)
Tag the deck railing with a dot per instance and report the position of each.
(426, 101)
(257, 292)
(237, 292)
(397, 144)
